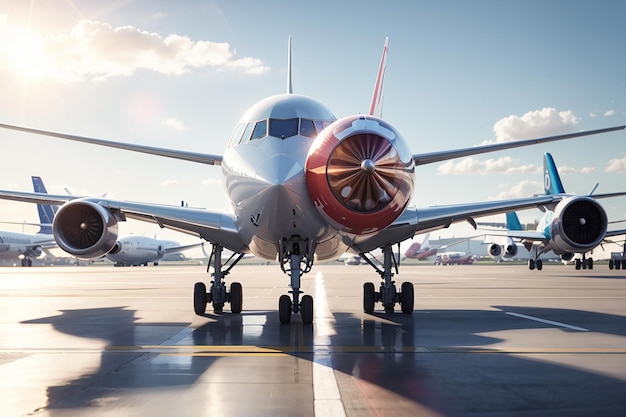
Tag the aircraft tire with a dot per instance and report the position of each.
(610, 263)
(284, 309)
(590, 264)
(407, 297)
(369, 297)
(531, 264)
(306, 309)
(539, 264)
(236, 298)
(199, 298)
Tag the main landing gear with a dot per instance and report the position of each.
(296, 259)
(217, 292)
(584, 263)
(388, 294)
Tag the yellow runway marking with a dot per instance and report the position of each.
(244, 350)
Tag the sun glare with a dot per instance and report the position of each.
(25, 52)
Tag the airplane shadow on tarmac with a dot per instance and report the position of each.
(438, 359)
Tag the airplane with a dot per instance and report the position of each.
(455, 258)
(141, 250)
(303, 186)
(575, 225)
(25, 246)
(505, 247)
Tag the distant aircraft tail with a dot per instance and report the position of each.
(512, 221)
(376, 107)
(46, 211)
(551, 181)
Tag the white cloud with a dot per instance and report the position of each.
(95, 51)
(587, 170)
(609, 113)
(616, 165)
(545, 122)
(174, 124)
(504, 165)
(525, 188)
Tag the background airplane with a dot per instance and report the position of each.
(455, 258)
(576, 225)
(25, 246)
(303, 186)
(141, 250)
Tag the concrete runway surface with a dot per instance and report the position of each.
(483, 341)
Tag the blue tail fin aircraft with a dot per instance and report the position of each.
(574, 225)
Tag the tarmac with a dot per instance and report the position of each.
(483, 341)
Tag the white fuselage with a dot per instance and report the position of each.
(14, 245)
(138, 250)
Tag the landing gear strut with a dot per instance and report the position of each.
(296, 259)
(388, 294)
(217, 292)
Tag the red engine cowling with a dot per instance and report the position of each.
(360, 174)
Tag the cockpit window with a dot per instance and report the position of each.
(260, 130)
(307, 128)
(283, 128)
(278, 128)
(236, 136)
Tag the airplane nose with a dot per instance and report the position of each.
(279, 170)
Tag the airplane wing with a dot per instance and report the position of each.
(422, 220)
(431, 157)
(174, 249)
(202, 158)
(216, 226)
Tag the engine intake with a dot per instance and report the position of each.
(579, 225)
(85, 229)
(495, 250)
(360, 174)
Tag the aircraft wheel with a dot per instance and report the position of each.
(623, 264)
(407, 297)
(539, 264)
(306, 309)
(199, 298)
(389, 309)
(610, 263)
(618, 264)
(577, 262)
(590, 264)
(369, 297)
(236, 297)
(531, 264)
(284, 309)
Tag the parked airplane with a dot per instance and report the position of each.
(142, 250)
(505, 247)
(455, 258)
(303, 186)
(25, 246)
(423, 250)
(575, 225)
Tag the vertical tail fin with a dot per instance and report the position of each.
(551, 181)
(376, 107)
(512, 221)
(46, 211)
(289, 86)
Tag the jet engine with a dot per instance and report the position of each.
(85, 229)
(579, 225)
(360, 174)
(495, 250)
(510, 249)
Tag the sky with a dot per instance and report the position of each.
(181, 74)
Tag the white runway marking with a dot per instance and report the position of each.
(554, 323)
(326, 396)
